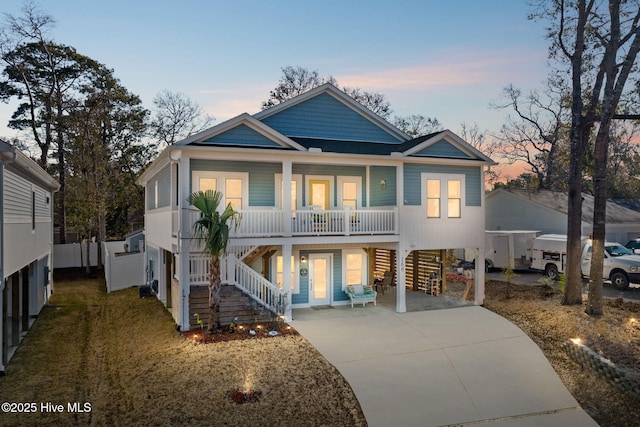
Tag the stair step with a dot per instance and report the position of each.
(233, 304)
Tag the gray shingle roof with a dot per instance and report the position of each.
(559, 201)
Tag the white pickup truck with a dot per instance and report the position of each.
(621, 266)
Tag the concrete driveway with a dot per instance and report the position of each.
(455, 366)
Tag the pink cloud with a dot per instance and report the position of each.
(446, 72)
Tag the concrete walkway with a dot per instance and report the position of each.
(456, 366)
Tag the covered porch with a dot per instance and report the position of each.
(386, 303)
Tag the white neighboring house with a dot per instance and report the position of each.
(26, 231)
(546, 211)
(328, 191)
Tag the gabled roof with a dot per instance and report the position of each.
(445, 144)
(559, 201)
(244, 124)
(329, 89)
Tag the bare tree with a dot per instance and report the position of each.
(537, 134)
(416, 125)
(598, 42)
(376, 102)
(177, 116)
(621, 41)
(293, 82)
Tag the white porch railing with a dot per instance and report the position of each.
(267, 223)
(235, 272)
(256, 286)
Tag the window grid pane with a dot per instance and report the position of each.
(433, 198)
(454, 199)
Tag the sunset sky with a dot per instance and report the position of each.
(444, 59)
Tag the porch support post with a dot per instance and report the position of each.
(286, 198)
(184, 245)
(401, 288)
(479, 278)
(286, 279)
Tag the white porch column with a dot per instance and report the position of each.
(182, 261)
(479, 284)
(286, 198)
(401, 287)
(286, 278)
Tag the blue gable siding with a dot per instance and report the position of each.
(241, 135)
(442, 148)
(383, 196)
(338, 293)
(261, 177)
(413, 185)
(331, 170)
(327, 118)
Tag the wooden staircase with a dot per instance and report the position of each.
(233, 304)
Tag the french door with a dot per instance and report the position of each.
(320, 283)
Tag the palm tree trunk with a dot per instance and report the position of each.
(214, 293)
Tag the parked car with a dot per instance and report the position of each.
(634, 246)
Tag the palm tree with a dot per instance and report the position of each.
(213, 228)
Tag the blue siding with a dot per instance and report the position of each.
(413, 184)
(261, 177)
(331, 170)
(241, 135)
(386, 196)
(338, 293)
(443, 148)
(327, 118)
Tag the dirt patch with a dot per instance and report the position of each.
(615, 336)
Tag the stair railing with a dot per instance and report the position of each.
(257, 287)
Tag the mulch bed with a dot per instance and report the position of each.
(241, 332)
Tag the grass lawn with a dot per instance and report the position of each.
(122, 356)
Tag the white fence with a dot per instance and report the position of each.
(122, 269)
(74, 255)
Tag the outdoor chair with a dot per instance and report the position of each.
(361, 294)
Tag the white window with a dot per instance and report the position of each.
(454, 198)
(443, 195)
(433, 198)
(354, 270)
(296, 191)
(278, 271)
(232, 185)
(350, 192)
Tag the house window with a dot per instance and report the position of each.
(355, 268)
(349, 195)
(232, 186)
(233, 192)
(279, 271)
(433, 198)
(454, 198)
(33, 210)
(155, 194)
(349, 192)
(296, 190)
(444, 195)
(208, 184)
